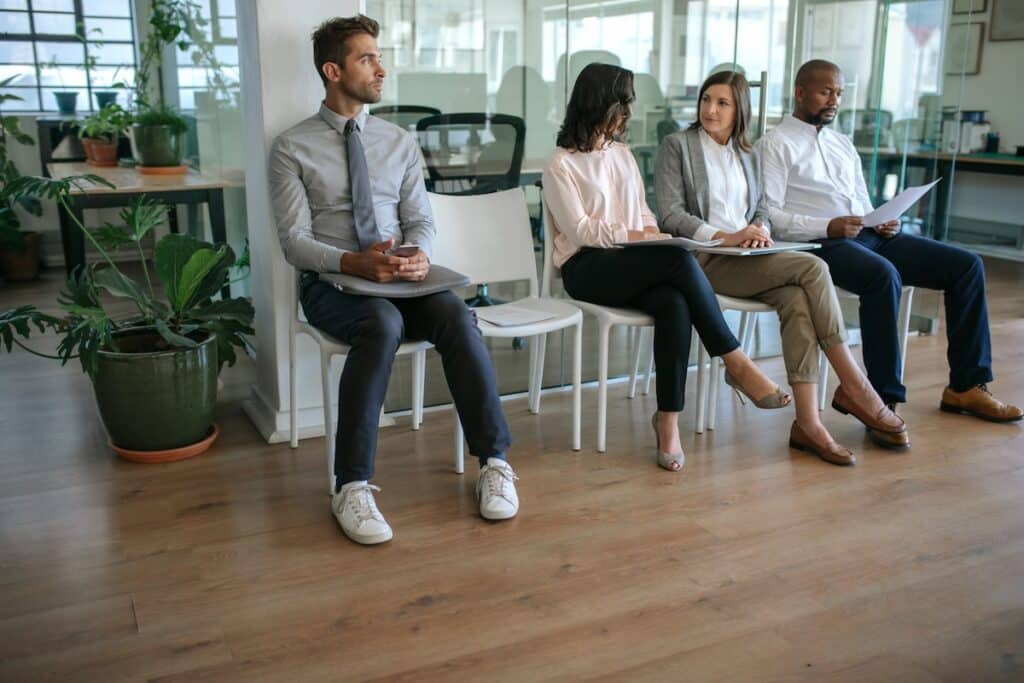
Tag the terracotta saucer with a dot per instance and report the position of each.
(172, 454)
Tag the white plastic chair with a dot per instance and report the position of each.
(329, 348)
(607, 317)
(903, 323)
(487, 237)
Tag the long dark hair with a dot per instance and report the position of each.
(740, 96)
(599, 106)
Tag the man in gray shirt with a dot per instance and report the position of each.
(346, 187)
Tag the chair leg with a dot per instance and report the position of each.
(540, 343)
(293, 409)
(636, 336)
(325, 387)
(714, 379)
(459, 443)
(577, 372)
(906, 300)
(650, 366)
(419, 360)
(602, 386)
(701, 388)
(822, 380)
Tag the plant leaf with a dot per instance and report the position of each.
(171, 254)
(199, 266)
(173, 338)
(237, 310)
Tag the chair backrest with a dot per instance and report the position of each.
(472, 153)
(404, 115)
(485, 236)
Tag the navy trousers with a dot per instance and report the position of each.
(375, 327)
(876, 268)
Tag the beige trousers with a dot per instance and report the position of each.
(798, 286)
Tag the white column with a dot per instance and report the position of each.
(279, 88)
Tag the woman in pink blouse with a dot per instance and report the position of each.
(594, 197)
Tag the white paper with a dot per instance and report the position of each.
(510, 315)
(681, 242)
(895, 207)
(751, 251)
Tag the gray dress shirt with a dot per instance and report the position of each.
(311, 193)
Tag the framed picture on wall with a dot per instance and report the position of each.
(1007, 20)
(968, 6)
(963, 49)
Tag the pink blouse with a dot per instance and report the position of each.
(592, 199)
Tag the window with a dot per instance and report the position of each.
(50, 46)
(200, 77)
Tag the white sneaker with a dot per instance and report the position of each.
(496, 490)
(357, 513)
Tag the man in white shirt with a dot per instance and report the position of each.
(814, 189)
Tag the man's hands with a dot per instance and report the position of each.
(845, 226)
(377, 265)
(888, 230)
(754, 236)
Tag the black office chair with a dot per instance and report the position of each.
(404, 115)
(472, 153)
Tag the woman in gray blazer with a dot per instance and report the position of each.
(706, 179)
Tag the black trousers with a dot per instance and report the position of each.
(375, 327)
(876, 268)
(668, 284)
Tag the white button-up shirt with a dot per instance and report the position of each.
(728, 199)
(810, 177)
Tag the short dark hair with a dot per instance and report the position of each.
(330, 39)
(601, 96)
(807, 72)
(740, 95)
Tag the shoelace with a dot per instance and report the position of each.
(360, 501)
(496, 484)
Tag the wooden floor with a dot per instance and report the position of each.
(754, 564)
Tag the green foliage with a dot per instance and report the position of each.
(106, 124)
(11, 236)
(161, 115)
(190, 272)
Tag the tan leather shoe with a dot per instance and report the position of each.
(979, 402)
(830, 452)
(886, 428)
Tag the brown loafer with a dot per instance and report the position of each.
(831, 452)
(979, 402)
(887, 429)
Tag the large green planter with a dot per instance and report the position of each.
(157, 145)
(157, 400)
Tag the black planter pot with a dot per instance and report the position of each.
(105, 98)
(157, 145)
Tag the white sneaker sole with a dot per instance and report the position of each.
(369, 539)
(498, 516)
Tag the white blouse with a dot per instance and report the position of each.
(728, 193)
(593, 198)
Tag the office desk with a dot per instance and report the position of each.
(189, 188)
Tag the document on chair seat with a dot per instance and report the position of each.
(510, 315)
(681, 242)
(750, 251)
(897, 206)
(439, 279)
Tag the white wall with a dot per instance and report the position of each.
(279, 88)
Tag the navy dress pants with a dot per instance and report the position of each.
(876, 269)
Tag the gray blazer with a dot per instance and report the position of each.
(681, 184)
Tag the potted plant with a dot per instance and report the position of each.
(19, 249)
(154, 371)
(66, 99)
(158, 137)
(99, 133)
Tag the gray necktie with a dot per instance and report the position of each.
(362, 195)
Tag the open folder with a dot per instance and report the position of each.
(439, 279)
(681, 242)
(895, 207)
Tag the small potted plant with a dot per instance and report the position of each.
(158, 137)
(67, 100)
(100, 132)
(154, 371)
(19, 249)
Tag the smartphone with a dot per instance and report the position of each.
(405, 250)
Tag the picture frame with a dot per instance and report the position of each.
(961, 39)
(969, 6)
(1007, 20)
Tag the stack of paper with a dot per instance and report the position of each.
(510, 315)
(681, 242)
